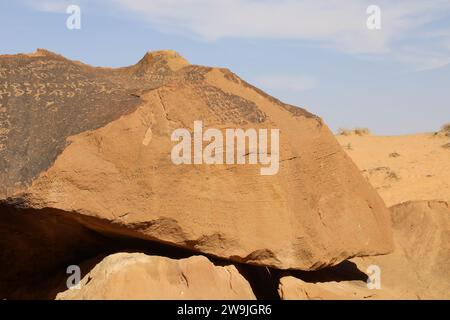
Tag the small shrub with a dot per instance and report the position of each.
(362, 131)
(348, 147)
(392, 175)
(344, 132)
(445, 129)
(356, 131)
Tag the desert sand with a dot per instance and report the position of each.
(403, 168)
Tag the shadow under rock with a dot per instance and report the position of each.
(344, 271)
(36, 246)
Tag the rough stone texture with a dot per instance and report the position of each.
(138, 276)
(106, 154)
(296, 289)
(419, 266)
(417, 269)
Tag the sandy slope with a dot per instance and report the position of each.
(403, 168)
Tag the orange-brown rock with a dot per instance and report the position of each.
(419, 266)
(296, 289)
(96, 142)
(417, 269)
(134, 276)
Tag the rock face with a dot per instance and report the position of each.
(138, 276)
(419, 266)
(96, 142)
(417, 269)
(296, 289)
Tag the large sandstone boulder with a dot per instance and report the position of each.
(138, 276)
(95, 144)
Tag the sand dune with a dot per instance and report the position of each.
(403, 168)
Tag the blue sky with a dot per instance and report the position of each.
(315, 54)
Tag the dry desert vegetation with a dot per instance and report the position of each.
(86, 183)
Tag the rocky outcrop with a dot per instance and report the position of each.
(296, 289)
(417, 269)
(138, 276)
(96, 142)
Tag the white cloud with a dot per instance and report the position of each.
(336, 24)
(426, 60)
(341, 24)
(54, 6)
(294, 83)
(329, 22)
